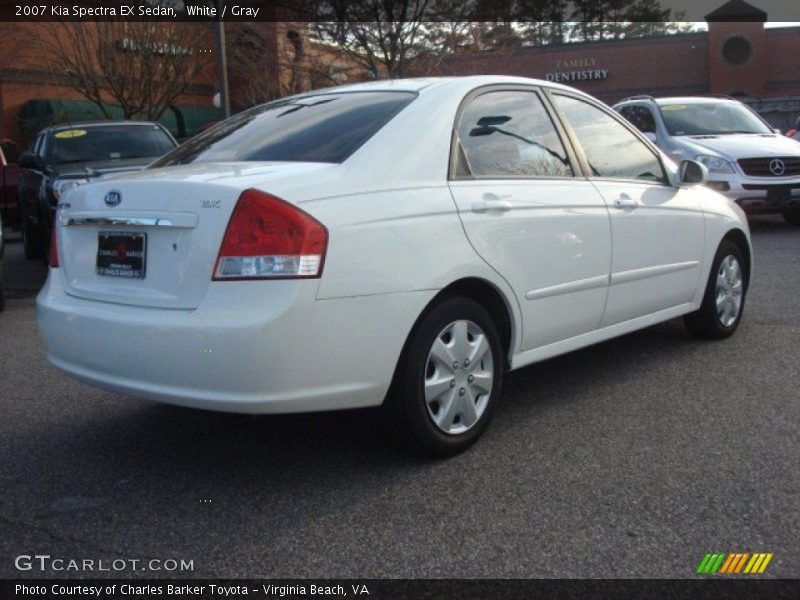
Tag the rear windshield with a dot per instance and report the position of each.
(97, 144)
(322, 128)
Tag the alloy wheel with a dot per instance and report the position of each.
(729, 290)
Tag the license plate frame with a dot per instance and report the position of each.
(122, 254)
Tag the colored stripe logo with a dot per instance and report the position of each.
(734, 563)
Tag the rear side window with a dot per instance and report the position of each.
(322, 128)
(509, 134)
(611, 150)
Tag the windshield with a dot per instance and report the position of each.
(105, 143)
(321, 128)
(707, 118)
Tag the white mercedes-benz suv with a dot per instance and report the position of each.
(746, 159)
(399, 243)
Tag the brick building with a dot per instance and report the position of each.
(737, 56)
(282, 60)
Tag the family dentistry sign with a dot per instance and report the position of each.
(577, 69)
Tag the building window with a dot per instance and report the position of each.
(297, 45)
(736, 50)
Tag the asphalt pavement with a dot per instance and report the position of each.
(632, 458)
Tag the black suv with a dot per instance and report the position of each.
(66, 156)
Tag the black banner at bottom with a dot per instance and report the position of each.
(374, 589)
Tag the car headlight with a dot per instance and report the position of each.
(60, 186)
(715, 164)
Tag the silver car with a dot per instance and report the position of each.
(746, 159)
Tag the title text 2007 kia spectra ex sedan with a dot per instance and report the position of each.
(400, 243)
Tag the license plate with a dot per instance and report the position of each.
(779, 195)
(121, 254)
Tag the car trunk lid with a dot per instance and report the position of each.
(152, 238)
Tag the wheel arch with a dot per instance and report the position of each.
(492, 299)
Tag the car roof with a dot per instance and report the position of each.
(678, 100)
(418, 84)
(94, 124)
(694, 100)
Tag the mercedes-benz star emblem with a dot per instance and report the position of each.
(113, 198)
(777, 167)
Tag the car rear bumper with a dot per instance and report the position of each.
(251, 347)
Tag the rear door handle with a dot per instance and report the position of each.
(625, 202)
(485, 206)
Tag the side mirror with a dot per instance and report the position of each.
(693, 172)
(777, 130)
(29, 160)
(650, 136)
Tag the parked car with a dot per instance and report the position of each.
(2, 252)
(747, 160)
(67, 156)
(399, 242)
(9, 175)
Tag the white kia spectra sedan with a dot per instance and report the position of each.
(400, 243)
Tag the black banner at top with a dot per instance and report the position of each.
(398, 10)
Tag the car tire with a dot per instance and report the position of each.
(448, 379)
(31, 240)
(792, 217)
(723, 302)
(2, 287)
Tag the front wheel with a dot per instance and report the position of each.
(448, 379)
(723, 301)
(31, 239)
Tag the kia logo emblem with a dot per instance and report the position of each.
(777, 167)
(113, 198)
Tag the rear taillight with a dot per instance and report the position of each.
(269, 238)
(53, 246)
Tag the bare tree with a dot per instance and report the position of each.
(143, 67)
(384, 37)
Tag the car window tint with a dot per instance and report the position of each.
(38, 147)
(706, 118)
(641, 117)
(510, 134)
(611, 150)
(113, 142)
(315, 128)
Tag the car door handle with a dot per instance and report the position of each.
(625, 202)
(485, 206)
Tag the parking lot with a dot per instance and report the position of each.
(632, 458)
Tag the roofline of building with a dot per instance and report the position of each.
(567, 45)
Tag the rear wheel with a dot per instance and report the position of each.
(723, 302)
(792, 217)
(448, 379)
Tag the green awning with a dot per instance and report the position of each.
(182, 121)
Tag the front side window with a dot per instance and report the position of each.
(640, 117)
(322, 128)
(510, 134)
(611, 150)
